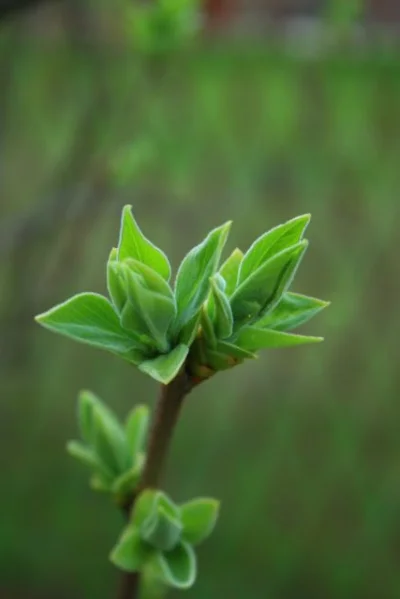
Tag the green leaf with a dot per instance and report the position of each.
(231, 349)
(130, 553)
(230, 270)
(149, 278)
(262, 290)
(176, 568)
(88, 318)
(165, 368)
(127, 482)
(193, 278)
(292, 311)
(87, 457)
(154, 311)
(136, 428)
(271, 243)
(161, 530)
(144, 506)
(133, 244)
(199, 518)
(207, 329)
(223, 318)
(254, 338)
(188, 333)
(102, 431)
(115, 282)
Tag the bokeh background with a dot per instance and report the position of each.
(272, 109)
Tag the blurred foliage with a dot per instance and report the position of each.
(304, 457)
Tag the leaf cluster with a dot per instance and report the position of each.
(210, 319)
(161, 536)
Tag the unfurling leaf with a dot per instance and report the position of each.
(193, 278)
(223, 318)
(161, 530)
(254, 338)
(293, 310)
(104, 434)
(164, 368)
(199, 518)
(115, 282)
(136, 429)
(176, 568)
(133, 244)
(230, 270)
(271, 243)
(261, 291)
(151, 311)
(130, 553)
(88, 318)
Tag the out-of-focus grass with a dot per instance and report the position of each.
(302, 447)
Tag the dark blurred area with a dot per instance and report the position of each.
(275, 109)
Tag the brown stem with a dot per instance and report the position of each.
(164, 420)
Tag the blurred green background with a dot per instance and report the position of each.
(303, 445)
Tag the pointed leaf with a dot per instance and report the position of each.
(87, 457)
(223, 318)
(232, 349)
(271, 243)
(115, 282)
(161, 530)
(130, 553)
(88, 318)
(133, 244)
(230, 270)
(155, 311)
(136, 429)
(102, 431)
(262, 290)
(176, 568)
(253, 338)
(165, 368)
(293, 310)
(199, 518)
(193, 278)
(207, 329)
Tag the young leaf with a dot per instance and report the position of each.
(115, 282)
(292, 311)
(149, 278)
(87, 457)
(136, 429)
(164, 368)
(223, 318)
(91, 319)
(161, 530)
(102, 431)
(155, 312)
(230, 270)
(193, 278)
(262, 290)
(207, 329)
(133, 244)
(126, 483)
(199, 517)
(188, 333)
(145, 505)
(130, 553)
(176, 568)
(271, 243)
(253, 338)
